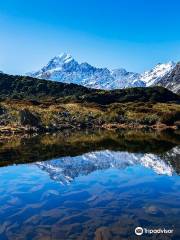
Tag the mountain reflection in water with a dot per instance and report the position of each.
(84, 186)
(64, 170)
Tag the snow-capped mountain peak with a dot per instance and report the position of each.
(64, 68)
(65, 57)
(57, 62)
(155, 74)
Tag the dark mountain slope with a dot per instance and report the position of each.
(26, 88)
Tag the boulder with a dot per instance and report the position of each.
(28, 118)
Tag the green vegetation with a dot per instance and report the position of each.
(18, 116)
(33, 105)
(21, 88)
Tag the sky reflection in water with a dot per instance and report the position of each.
(98, 195)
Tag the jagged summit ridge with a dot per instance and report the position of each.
(155, 74)
(65, 68)
(58, 62)
(171, 80)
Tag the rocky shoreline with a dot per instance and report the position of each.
(141, 126)
(21, 130)
(22, 117)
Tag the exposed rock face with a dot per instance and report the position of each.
(154, 75)
(172, 80)
(28, 118)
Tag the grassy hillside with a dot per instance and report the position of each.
(29, 105)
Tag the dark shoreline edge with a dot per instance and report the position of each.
(29, 148)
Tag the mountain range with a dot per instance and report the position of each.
(64, 68)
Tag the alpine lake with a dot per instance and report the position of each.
(97, 185)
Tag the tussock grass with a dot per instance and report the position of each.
(92, 114)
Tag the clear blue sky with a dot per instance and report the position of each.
(135, 34)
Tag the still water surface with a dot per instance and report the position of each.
(101, 190)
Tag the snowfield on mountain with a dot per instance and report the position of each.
(64, 68)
